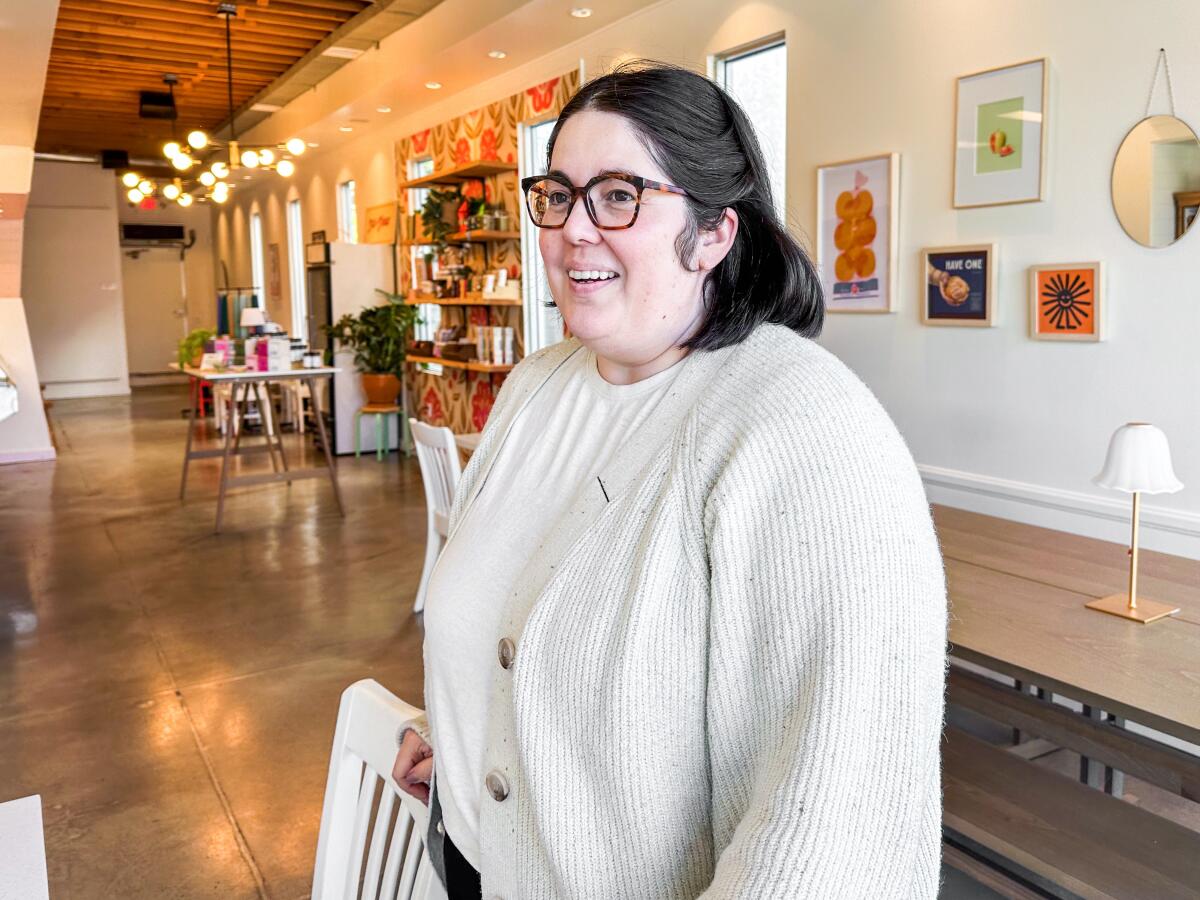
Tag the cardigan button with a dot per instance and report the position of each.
(506, 650)
(497, 786)
(441, 827)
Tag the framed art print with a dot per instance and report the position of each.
(958, 285)
(857, 220)
(1066, 302)
(1000, 136)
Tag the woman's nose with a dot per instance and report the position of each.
(579, 227)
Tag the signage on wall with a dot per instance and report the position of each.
(317, 237)
(274, 288)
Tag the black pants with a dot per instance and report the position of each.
(462, 881)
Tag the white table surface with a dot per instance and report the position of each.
(468, 442)
(247, 375)
(23, 850)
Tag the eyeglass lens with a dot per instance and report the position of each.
(612, 202)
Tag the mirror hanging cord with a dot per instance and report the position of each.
(1164, 65)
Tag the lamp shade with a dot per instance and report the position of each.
(1138, 460)
(252, 316)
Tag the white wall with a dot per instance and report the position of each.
(26, 32)
(998, 422)
(71, 281)
(153, 291)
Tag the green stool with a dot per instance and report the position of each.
(380, 412)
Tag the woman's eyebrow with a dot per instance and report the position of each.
(558, 173)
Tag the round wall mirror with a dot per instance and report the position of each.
(1156, 181)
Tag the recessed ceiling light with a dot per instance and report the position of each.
(581, 12)
(345, 128)
(313, 144)
(266, 107)
(383, 109)
(497, 54)
(342, 52)
(433, 85)
(245, 178)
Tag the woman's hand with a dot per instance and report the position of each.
(414, 766)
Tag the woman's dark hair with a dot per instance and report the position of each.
(704, 142)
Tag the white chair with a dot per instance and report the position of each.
(223, 403)
(356, 858)
(292, 396)
(440, 469)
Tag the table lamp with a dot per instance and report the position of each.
(1138, 462)
(253, 317)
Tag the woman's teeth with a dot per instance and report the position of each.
(590, 275)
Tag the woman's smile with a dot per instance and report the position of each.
(587, 281)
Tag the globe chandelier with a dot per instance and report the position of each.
(212, 183)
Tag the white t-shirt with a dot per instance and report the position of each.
(556, 447)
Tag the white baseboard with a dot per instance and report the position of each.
(27, 456)
(1165, 530)
(77, 390)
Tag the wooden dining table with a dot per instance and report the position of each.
(1017, 597)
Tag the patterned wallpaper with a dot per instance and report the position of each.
(457, 398)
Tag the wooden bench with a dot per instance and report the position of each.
(1029, 832)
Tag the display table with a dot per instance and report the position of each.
(23, 850)
(242, 384)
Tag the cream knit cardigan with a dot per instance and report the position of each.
(730, 683)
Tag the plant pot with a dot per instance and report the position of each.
(197, 358)
(381, 389)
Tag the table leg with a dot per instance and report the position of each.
(380, 425)
(229, 441)
(266, 425)
(316, 408)
(273, 431)
(187, 453)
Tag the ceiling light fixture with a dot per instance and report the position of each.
(581, 12)
(252, 157)
(433, 85)
(345, 128)
(383, 109)
(497, 54)
(343, 52)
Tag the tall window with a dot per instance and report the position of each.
(256, 259)
(295, 231)
(347, 213)
(757, 79)
(543, 324)
(431, 313)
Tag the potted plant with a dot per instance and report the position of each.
(191, 348)
(439, 216)
(377, 335)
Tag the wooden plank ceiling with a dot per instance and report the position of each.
(105, 52)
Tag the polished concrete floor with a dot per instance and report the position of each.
(171, 693)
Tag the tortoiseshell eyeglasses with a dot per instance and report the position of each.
(612, 199)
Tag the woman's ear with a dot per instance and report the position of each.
(716, 243)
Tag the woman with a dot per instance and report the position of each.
(687, 637)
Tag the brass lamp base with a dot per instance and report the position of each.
(1147, 611)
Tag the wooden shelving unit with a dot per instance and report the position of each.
(468, 300)
(466, 237)
(470, 366)
(470, 237)
(459, 174)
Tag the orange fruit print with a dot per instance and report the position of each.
(854, 234)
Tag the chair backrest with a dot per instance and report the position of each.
(370, 846)
(440, 469)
